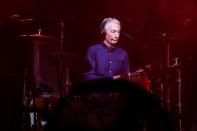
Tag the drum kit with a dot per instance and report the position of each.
(141, 77)
(166, 83)
(36, 98)
(65, 61)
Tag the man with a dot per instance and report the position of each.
(106, 60)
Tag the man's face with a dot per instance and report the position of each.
(112, 31)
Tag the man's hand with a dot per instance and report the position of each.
(117, 77)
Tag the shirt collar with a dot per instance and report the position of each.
(105, 46)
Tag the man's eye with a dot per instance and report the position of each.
(114, 31)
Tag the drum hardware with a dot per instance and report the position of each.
(67, 83)
(63, 69)
(140, 77)
(32, 83)
(25, 80)
(170, 84)
(38, 37)
(65, 63)
(37, 101)
(179, 103)
(72, 61)
(170, 73)
(64, 80)
(176, 67)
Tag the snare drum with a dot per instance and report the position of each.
(141, 78)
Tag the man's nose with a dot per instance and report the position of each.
(117, 34)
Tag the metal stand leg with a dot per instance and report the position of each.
(178, 81)
(179, 99)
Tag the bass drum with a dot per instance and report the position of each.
(46, 102)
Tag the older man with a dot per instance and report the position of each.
(107, 61)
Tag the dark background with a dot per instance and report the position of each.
(143, 23)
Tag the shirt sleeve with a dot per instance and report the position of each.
(92, 74)
(126, 67)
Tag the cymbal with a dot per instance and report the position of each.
(165, 39)
(170, 36)
(70, 60)
(38, 37)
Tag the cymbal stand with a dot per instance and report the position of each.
(178, 70)
(178, 80)
(162, 93)
(67, 83)
(31, 83)
(168, 100)
(164, 83)
(26, 102)
(36, 84)
(64, 80)
(25, 86)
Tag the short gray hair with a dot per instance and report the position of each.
(108, 20)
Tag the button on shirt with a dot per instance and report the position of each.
(106, 63)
